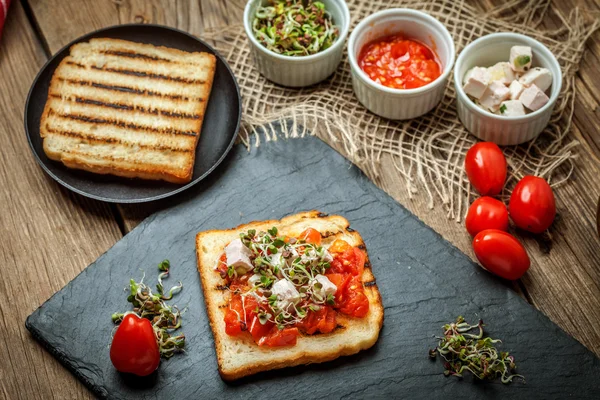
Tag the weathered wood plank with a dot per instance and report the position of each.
(562, 283)
(48, 234)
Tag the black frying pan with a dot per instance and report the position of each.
(219, 129)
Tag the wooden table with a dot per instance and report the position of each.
(50, 234)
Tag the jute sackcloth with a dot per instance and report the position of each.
(428, 152)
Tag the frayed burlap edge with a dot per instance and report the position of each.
(427, 152)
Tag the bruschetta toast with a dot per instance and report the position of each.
(315, 302)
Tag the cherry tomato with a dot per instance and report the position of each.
(486, 168)
(501, 253)
(532, 205)
(486, 213)
(311, 235)
(280, 337)
(134, 347)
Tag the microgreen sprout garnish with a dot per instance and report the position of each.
(294, 27)
(277, 258)
(165, 319)
(463, 351)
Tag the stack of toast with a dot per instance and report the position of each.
(128, 109)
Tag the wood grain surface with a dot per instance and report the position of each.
(50, 234)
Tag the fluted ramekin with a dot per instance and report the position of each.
(305, 70)
(487, 51)
(400, 103)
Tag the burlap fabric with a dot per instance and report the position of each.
(427, 152)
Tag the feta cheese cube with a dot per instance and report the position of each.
(323, 286)
(540, 77)
(286, 293)
(238, 256)
(476, 82)
(533, 98)
(520, 58)
(277, 260)
(511, 108)
(502, 72)
(515, 89)
(494, 95)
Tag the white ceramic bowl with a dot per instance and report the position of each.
(400, 103)
(299, 71)
(487, 51)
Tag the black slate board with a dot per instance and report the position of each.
(424, 282)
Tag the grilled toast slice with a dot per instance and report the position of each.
(128, 109)
(239, 356)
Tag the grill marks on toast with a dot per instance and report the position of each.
(126, 89)
(114, 106)
(130, 107)
(137, 73)
(133, 54)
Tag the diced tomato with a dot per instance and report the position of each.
(238, 312)
(312, 236)
(258, 330)
(278, 338)
(351, 261)
(339, 246)
(340, 281)
(355, 302)
(399, 63)
(234, 317)
(400, 49)
(322, 320)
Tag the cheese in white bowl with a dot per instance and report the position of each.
(509, 88)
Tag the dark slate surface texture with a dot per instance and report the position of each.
(424, 282)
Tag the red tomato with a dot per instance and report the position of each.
(322, 320)
(501, 253)
(486, 168)
(532, 205)
(486, 213)
(258, 330)
(134, 347)
(283, 337)
(340, 281)
(339, 246)
(355, 302)
(351, 261)
(311, 235)
(399, 63)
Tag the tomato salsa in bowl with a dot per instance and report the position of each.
(400, 61)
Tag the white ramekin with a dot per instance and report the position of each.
(299, 71)
(487, 51)
(400, 103)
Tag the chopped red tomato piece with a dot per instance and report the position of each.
(312, 236)
(355, 301)
(280, 337)
(340, 281)
(339, 246)
(322, 320)
(258, 330)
